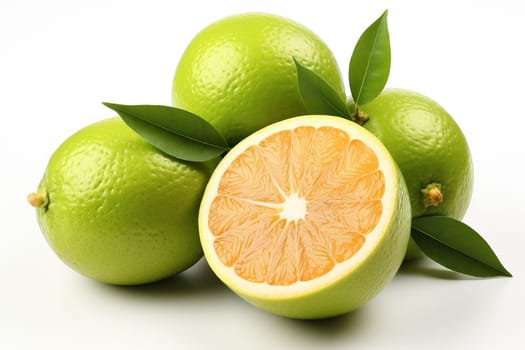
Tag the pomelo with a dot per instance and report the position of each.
(238, 73)
(306, 218)
(429, 148)
(116, 209)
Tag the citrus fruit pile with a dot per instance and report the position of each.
(306, 215)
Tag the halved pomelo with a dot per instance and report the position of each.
(306, 218)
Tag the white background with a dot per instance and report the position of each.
(59, 60)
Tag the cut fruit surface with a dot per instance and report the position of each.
(298, 226)
(299, 210)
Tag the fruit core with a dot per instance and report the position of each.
(293, 206)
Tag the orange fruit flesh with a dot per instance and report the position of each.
(293, 206)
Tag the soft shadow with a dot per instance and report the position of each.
(426, 267)
(197, 281)
(329, 329)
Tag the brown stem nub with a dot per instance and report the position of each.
(432, 195)
(359, 116)
(37, 200)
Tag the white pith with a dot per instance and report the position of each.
(294, 208)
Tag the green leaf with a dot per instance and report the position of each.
(457, 246)
(174, 131)
(318, 96)
(370, 62)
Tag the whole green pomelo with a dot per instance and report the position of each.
(116, 209)
(430, 149)
(238, 73)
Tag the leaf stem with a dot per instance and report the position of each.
(359, 116)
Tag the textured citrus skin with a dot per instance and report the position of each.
(119, 211)
(428, 146)
(347, 289)
(238, 73)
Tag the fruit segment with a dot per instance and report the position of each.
(296, 204)
(247, 178)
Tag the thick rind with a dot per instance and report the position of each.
(356, 281)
